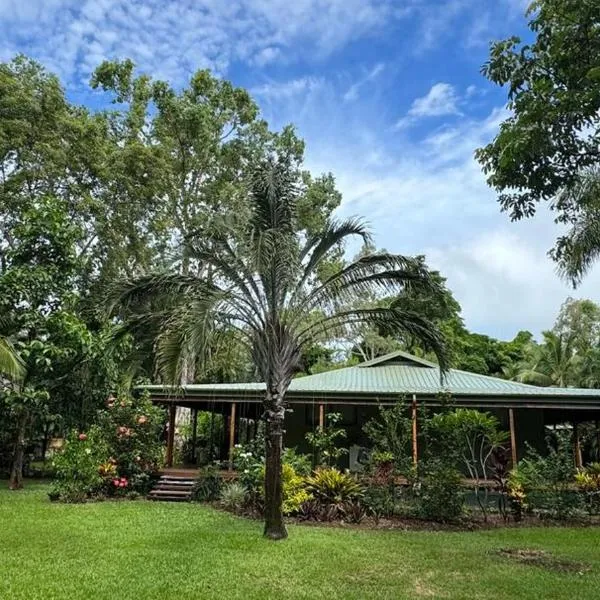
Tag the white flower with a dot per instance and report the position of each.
(88, 451)
(246, 470)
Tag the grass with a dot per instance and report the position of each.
(122, 550)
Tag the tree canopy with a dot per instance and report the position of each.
(549, 143)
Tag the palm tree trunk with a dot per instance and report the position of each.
(16, 473)
(274, 415)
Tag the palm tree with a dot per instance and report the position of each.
(11, 364)
(579, 249)
(552, 363)
(264, 284)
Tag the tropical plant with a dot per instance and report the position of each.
(266, 285)
(477, 437)
(11, 363)
(330, 486)
(552, 363)
(233, 496)
(390, 434)
(440, 496)
(325, 442)
(208, 484)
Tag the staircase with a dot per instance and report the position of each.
(174, 487)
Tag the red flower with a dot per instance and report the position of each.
(82, 437)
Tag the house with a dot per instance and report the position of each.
(357, 392)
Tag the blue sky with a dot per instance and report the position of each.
(388, 95)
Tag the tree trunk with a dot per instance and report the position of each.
(274, 525)
(16, 473)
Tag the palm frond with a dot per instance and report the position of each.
(579, 249)
(392, 319)
(11, 363)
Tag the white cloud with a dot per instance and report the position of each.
(172, 39)
(284, 90)
(441, 100)
(353, 90)
(430, 197)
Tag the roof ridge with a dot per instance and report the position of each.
(390, 356)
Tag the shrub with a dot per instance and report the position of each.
(440, 492)
(324, 442)
(79, 475)
(116, 456)
(474, 436)
(294, 490)
(381, 500)
(390, 434)
(333, 490)
(132, 427)
(588, 484)
(207, 486)
(233, 497)
(547, 480)
(328, 486)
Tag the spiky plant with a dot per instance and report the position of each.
(264, 283)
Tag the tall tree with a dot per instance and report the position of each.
(550, 143)
(579, 320)
(265, 284)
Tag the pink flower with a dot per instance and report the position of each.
(115, 482)
(82, 437)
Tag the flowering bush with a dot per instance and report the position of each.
(78, 474)
(131, 428)
(116, 456)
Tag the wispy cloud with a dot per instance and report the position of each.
(442, 99)
(284, 90)
(353, 91)
(172, 39)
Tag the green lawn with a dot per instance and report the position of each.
(145, 550)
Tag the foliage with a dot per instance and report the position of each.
(551, 136)
(588, 483)
(546, 480)
(82, 469)
(233, 496)
(208, 484)
(118, 454)
(440, 496)
(332, 487)
(476, 437)
(390, 435)
(294, 492)
(324, 442)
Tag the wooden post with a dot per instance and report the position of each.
(415, 455)
(231, 435)
(513, 436)
(322, 416)
(171, 434)
(194, 433)
(578, 456)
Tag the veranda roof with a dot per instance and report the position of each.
(385, 380)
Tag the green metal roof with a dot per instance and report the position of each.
(389, 377)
